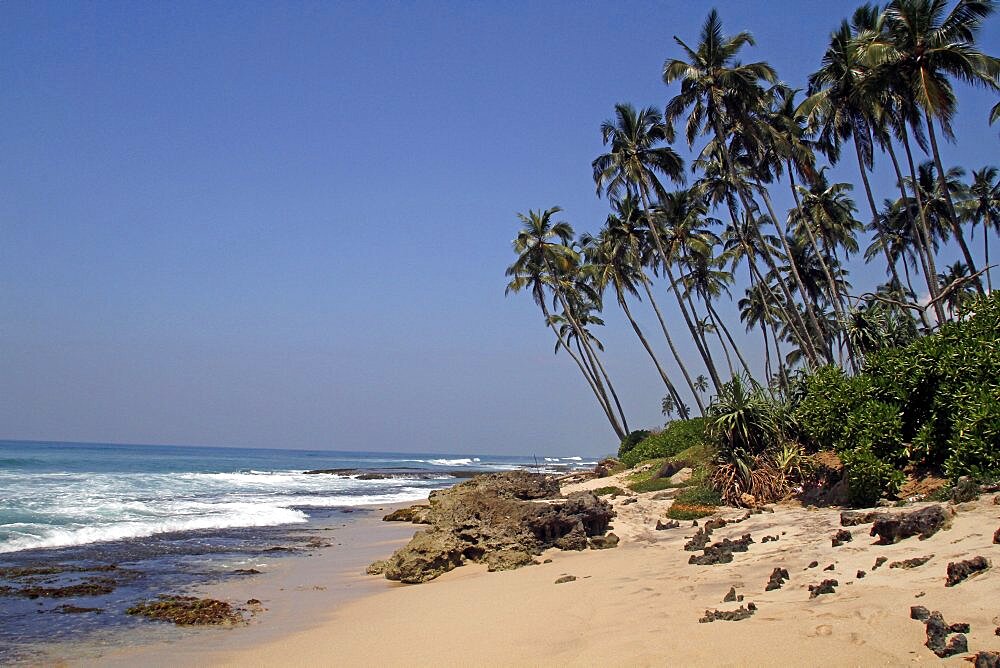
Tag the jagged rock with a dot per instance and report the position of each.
(604, 542)
(841, 537)
(924, 523)
(938, 632)
(671, 467)
(829, 568)
(629, 500)
(606, 466)
(730, 595)
(418, 514)
(850, 518)
(721, 552)
(919, 612)
(507, 560)
(769, 539)
(777, 579)
(911, 563)
(878, 562)
(429, 554)
(698, 541)
(813, 564)
(960, 570)
(736, 615)
(987, 660)
(501, 515)
(860, 574)
(68, 609)
(824, 587)
(715, 523)
(996, 536)
(188, 611)
(377, 567)
(672, 524)
(565, 578)
(965, 490)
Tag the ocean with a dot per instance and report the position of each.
(87, 530)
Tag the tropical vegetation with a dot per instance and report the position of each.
(889, 377)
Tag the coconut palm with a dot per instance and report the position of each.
(983, 207)
(544, 259)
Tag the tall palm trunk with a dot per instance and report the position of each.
(681, 408)
(670, 344)
(952, 216)
(810, 312)
(924, 232)
(890, 264)
(611, 389)
(601, 399)
(720, 324)
(666, 266)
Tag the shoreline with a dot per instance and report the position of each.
(637, 604)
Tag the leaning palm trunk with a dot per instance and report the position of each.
(719, 324)
(924, 233)
(681, 408)
(666, 266)
(810, 311)
(611, 389)
(670, 344)
(952, 216)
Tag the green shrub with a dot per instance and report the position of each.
(877, 427)
(699, 493)
(868, 477)
(677, 436)
(820, 415)
(632, 440)
(611, 489)
(651, 485)
(975, 443)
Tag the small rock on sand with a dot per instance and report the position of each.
(960, 570)
(565, 578)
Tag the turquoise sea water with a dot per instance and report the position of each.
(164, 518)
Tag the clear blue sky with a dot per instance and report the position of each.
(286, 224)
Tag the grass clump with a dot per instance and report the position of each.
(614, 490)
(688, 511)
(652, 485)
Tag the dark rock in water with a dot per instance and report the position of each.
(879, 561)
(246, 571)
(331, 472)
(377, 567)
(919, 612)
(418, 514)
(730, 595)
(960, 570)
(604, 542)
(721, 552)
(672, 524)
(813, 564)
(937, 634)
(777, 579)
(565, 578)
(188, 611)
(829, 568)
(67, 609)
(824, 587)
(987, 660)
(923, 523)
(841, 537)
(850, 518)
(89, 587)
(512, 515)
(860, 574)
(373, 476)
(965, 490)
(736, 615)
(912, 563)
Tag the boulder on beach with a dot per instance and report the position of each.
(925, 522)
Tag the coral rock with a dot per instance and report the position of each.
(959, 571)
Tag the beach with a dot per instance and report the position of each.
(637, 604)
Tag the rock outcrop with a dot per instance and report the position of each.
(925, 522)
(418, 514)
(960, 570)
(503, 520)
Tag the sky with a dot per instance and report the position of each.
(287, 224)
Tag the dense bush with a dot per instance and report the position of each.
(677, 436)
(934, 403)
(630, 441)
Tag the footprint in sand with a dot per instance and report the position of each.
(824, 630)
(687, 588)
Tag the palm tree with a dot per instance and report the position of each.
(544, 258)
(721, 94)
(922, 48)
(984, 208)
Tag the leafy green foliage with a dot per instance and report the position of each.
(934, 403)
(699, 493)
(745, 420)
(632, 440)
(677, 436)
(610, 489)
(651, 485)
